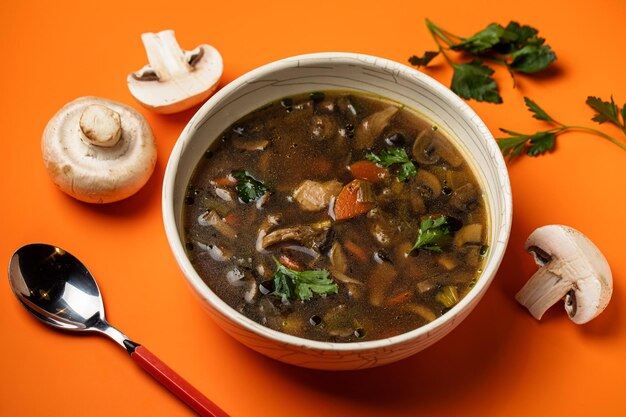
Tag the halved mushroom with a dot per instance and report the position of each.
(428, 149)
(339, 321)
(465, 198)
(211, 218)
(267, 224)
(338, 257)
(380, 280)
(314, 196)
(372, 126)
(252, 290)
(342, 277)
(235, 277)
(421, 310)
(175, 80)
(324, 127)
(447, 261)
(570, 267)
(428, 185)
(345, 107)
(382, 226)
(426, 285)
(217, 253)
(306, 235)
(470, 234)
(417, 204)
(98, 150)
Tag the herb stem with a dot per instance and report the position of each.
(436, 34)
(442, 33)
(597, 132)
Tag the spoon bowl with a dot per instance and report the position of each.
(58, 289)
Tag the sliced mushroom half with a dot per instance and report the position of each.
(465, 198)
(308, 236)
(470, 234)
(572, 268)
(428, 149)
(428, 185)
(175, 79)
(372, 126)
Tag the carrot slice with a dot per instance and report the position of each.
(289, 263)
(399, 298)
(226, 181)
(368, 170)
(231, 219)
(347, 204)
(356, 250)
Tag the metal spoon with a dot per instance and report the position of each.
(59, 290)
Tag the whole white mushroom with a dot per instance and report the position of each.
(98, 150)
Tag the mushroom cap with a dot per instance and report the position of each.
(98, 174)
(576, 266)
(180, 93)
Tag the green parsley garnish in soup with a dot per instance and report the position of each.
(336, 216)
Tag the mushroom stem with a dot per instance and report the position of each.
(100, 126)
(175, 79)
(544, 289)
(166, 57)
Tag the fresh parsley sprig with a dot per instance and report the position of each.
(248, 188)
(391, 156)
(517, 47)
(290, 285)
(432, 234)
(538, 143)
(608, 112)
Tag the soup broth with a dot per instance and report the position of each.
(336, 216)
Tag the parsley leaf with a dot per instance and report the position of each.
(424, 59)
(532, 58)
(247, 187)
(516, 47)
(541, 143)
(514, 36)
(512, 146)
(544, 141)
(290, 285)
(538, 112)
(432, 234)
(534, 145)
(481, 41)
(473, 80)
(390, 156)
(605, 111)
(406, 170)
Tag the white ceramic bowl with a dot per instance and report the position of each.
(339, 71)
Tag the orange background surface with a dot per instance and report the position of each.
(499, 362)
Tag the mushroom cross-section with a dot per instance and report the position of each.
(175, 79)
(98, 150)
(572, 268)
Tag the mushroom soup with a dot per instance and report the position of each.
(336, 216)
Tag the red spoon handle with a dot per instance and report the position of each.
(175, 383)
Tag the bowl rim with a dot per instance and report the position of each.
(497, 247)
